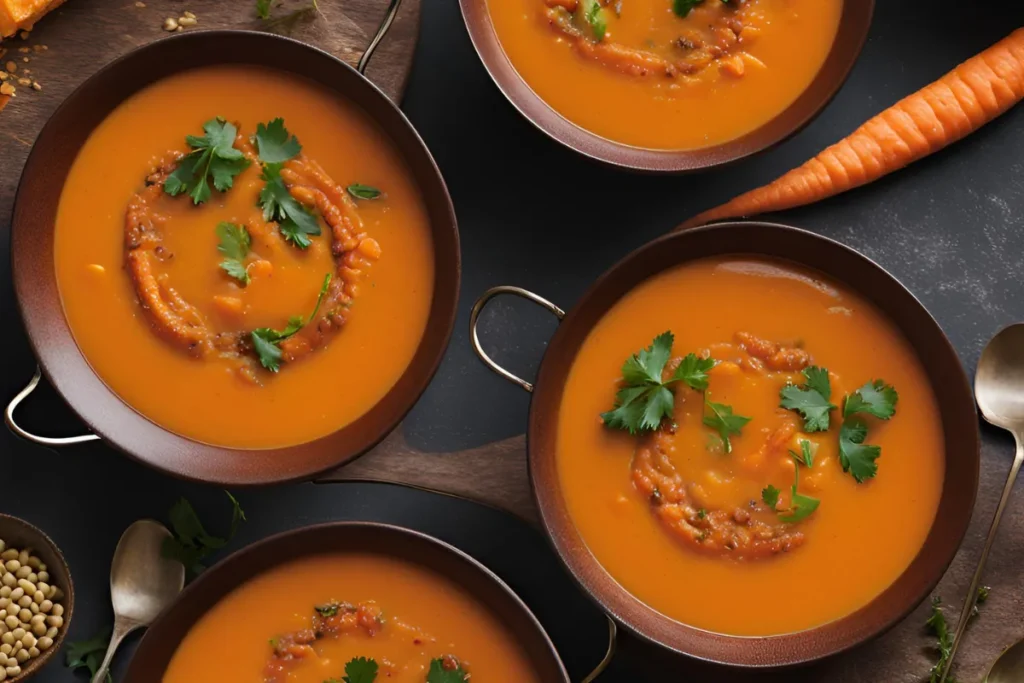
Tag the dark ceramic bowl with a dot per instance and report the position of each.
(163, 637)
(36, 284)
(858, 273)
(853, 31)
(17, 533)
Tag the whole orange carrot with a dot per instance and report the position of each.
(960, 102)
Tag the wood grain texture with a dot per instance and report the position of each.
(84, 35)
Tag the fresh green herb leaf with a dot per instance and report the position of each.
(644, 400)
(263, 9)
(770, 496)
(294, 221)
(213, 157)
(940, 628)
(360, 670)
(191, 543)
(234, 244)
(857, 457)
(874, 398)
(806, 455)
(439, 674)
(329, 609)
(265, 340)
(811, 400)
(723, 421)
(88, 654)
(682, 8)
(275, 144)
(359, 191)
(802, 508)
(595, 17)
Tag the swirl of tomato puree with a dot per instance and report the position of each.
(181, 323)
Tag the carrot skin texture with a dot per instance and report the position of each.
(974, 93)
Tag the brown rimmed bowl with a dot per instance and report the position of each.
(163, 637)
(17, 533)
(35, 280)
(946, 376)
(853, 31)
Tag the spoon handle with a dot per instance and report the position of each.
(120, 631)
(972, 592)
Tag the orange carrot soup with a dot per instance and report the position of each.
(243, 257)
(749, 448)
(323, 618)
(667, 74)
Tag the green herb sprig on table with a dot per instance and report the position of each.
(439, 674)
(191, 543)
(88, 654)
(266, 341)
(213, 157)
(234, 243)
(644, 399)
(940, 628)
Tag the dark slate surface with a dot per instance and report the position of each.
(534, 214)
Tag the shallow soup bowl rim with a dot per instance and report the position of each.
(63, 363)
(945, 374)
(854, 23)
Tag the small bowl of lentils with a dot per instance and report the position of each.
(36, 599)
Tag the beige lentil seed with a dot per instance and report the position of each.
(27, 586)
(58, 610)
(34, 562)
(43, 576)
(25, 616)
(18, 634)
(12, 565)
(3, 660)
(55, 621)
(45, 643)
(10, 554)
(11, 621)
(33, 652)
(29, 640)
(33, 577)
(5, 591)
(45, 606)
(24, 570)
(39, 630)
(25, 601)
(56, 594)
(6, 648)
(17, 594)
(8, 579)
(38, 597)
(7, 639)
(24, 555)
(22, 656)
(185, 21)
(170, 24)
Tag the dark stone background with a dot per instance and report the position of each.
(534, 214)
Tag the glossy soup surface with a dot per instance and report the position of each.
(862, 535)
(202, 398)
(424, 616)
(713, 100)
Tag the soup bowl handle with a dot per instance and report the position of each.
(385, 24)
(41, 440)
(474, 316)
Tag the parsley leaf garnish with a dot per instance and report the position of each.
(857, 457)
(811, 400)
(88, 654)
(234, 244)
(294, 220)
(595, 17)
(723, 421)
(191, 543)
(439, 674)
(806, 454)
(770, 496)
(265, 340)
(645, 400)
(360, 191)
(874, 398)
(800, 506)
(275, 144)
(213, 155)
(683, 8)
(360, 670)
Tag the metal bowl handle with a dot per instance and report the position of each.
(385, 24)
(474, 317)
(41, 440)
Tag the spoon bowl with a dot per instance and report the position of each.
(1008, 667)
(999, 383)
(142, 583)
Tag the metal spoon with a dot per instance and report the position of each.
(142, 583)
(999, 390)
(1008, 667)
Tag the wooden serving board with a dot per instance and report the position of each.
(83, 35)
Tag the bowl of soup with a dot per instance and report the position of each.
(369, 601)
(266, 278)
(751, 445)
(668, 85)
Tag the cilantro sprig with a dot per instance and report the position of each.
(720, 417)
(234, 244)
(811, 400)
(266, 341)
(595, 17)
(801, 506)
(877, 399)
(360, 191)
(213, 157)
(645, 400)
(360, 670)
(191, 543)
(295, 221)
(275, 144)
(439, 674)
